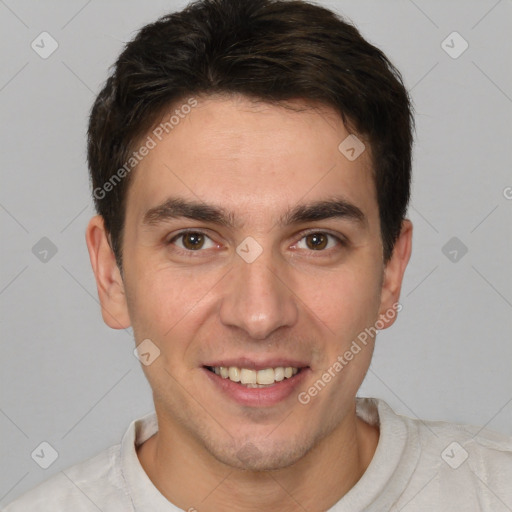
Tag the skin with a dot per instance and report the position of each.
(256, 161)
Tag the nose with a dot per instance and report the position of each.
(258, 298)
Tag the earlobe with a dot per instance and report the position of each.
(393, 275)
(108, 278)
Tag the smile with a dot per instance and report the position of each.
(254, 378)
(263, 384)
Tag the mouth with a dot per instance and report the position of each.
(256, 385)
(255, 378)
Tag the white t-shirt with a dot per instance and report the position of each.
(418, 466)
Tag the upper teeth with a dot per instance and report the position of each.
(246, 376)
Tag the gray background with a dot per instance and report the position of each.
(69, 380)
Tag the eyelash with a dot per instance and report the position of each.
(342, 242)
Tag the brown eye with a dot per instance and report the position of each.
(317, 241)
(193, 241)
(320, 241)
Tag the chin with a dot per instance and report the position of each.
(262, 455)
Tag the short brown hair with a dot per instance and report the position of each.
(269, 50)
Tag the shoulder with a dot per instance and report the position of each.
(459, 442)
(449, 466)
(96, 483)
(442, 439)
(465, 462)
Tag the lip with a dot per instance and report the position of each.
(257, 397)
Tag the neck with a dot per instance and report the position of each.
(191, 478)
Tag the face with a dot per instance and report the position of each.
(252, 251)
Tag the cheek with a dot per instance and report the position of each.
(164, 303)
(345, 301)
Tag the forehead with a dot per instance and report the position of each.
(252, 158)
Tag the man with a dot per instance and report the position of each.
(250, 163)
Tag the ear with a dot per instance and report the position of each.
(393, 274)
(108, 278)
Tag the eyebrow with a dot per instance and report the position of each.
(174, 208)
